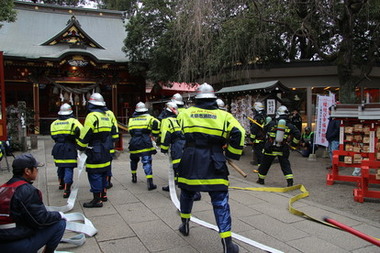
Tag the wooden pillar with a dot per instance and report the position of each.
(114, 99)
(309, 106)
(36, 107)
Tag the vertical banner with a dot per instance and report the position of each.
(323, 104)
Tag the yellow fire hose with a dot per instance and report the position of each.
(304, 193)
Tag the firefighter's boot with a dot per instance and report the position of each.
(103, 196)
(260, 181)
(61, 184)
(151, 186)
(67, 191)
(229, 246)
(96, 202)
(197, 196)
(134, 178)
(184, 228)
(109, 184)
(290, 182)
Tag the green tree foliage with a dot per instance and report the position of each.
(151, 40)
(7, 14)
(190, 40)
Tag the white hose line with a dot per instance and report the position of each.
(76, 222)
(174, 198)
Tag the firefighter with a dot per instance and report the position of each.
(65, 131)
(281, 136)
(257, 135)
(25, 223)
(143, 129)
(94, 141)
(113, 140)
(172, 139)
(203, 164)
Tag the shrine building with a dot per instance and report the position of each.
(54, 55)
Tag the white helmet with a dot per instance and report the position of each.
(97, 99)
(172, 107)
(140, 107)
(177, 98)
(205, 91)
(65, 109)
(258, 106)
(282, 110)
(220, 103)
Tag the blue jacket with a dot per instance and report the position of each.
(65, 131)
(28, 212)
(141, 126)
(95, 138)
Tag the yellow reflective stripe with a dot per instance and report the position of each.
(99, 165)
(60, 132)
(115, 136)
(185, 215)
(289, 176)
(102, 129)
(81, 144)
(261, 176)
(65, 161)
(164, 147)
(133, 171)
(142, 150)
(149, 176)
(137, 127)
(199, 129)
(296, 141)
(234, 150)
(203, 181)
(176, 161)
(225, 234)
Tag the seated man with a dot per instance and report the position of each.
(306, 143)
(25, 224)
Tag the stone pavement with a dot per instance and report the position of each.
(137, 220)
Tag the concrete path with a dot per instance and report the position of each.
(137, 220)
